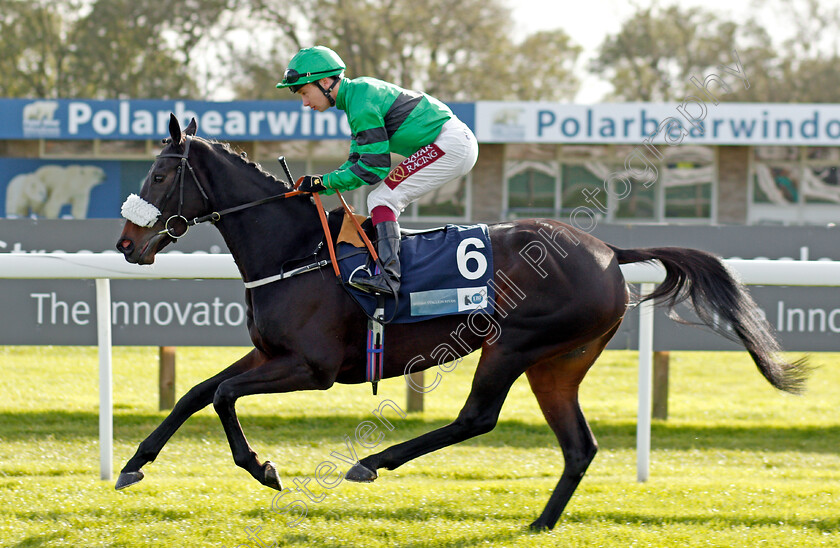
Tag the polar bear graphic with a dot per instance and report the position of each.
(61, 185)
(25, 195)
(40, 111)
(508, 116)
(507, 124)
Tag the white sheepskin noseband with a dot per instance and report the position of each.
(139, 211)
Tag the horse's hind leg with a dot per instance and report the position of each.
(493, 378)
(566, 419)
(555, 384)
(197, 398)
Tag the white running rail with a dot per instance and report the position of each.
(104, 267)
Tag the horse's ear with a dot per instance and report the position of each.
(190, 129)
(174, 129)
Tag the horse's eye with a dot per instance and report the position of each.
(158, 178)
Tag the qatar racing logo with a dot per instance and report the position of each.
(414, 163)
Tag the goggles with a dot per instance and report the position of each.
(291, 75)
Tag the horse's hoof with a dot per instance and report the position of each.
(271, 478)
(538, 526)
(127, 479)
(360, 473)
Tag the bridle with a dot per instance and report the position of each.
(215, 216)
(180, 173)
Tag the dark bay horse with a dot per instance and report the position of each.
(553, 316)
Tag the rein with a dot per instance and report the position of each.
(217, 216)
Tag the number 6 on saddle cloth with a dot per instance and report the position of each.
(446, 271)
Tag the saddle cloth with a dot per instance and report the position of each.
(445, 271)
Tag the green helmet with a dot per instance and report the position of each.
(310, 65)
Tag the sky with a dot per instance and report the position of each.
(588, 22)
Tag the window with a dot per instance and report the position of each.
(531, 189)
(776, 184)
(691, 201)
(681, 187)
(579, 183)
(687, 175)
(637, 205)
(821, 185)
(795, 185)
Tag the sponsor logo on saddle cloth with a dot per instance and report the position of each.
(445, 271)
(414, 163)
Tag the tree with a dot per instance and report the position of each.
(120, 53)
(803, 67)
(104, 49)
(458, 51)
(542, 67)
(35, 51)
(453, 50)
(657, 50)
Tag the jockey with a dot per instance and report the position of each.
(383, 118)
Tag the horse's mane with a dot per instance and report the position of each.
(240, 157)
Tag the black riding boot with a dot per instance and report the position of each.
(388, 248)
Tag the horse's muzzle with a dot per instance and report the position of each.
(141, 250)
(125, 246)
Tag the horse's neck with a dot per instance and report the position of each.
(262, 238)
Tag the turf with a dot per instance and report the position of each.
(737, 464)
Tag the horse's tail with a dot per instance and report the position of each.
(721, 302)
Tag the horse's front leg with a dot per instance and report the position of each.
(277, 375)
(197, 398)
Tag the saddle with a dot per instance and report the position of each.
(347, 232)
(446, 271)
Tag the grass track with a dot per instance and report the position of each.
(736, 465)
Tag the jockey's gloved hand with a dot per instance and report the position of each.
(311, 183)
